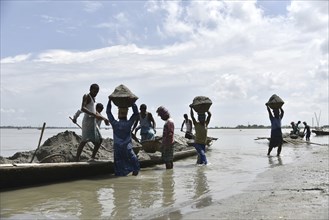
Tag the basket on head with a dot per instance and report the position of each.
(201, 104)
(275, 102)
(123, 97)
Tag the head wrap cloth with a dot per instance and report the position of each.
(162, 111)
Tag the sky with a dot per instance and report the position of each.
(237, 53)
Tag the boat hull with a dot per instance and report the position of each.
(28, 174)
(319, 132)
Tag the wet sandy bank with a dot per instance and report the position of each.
(295, 191)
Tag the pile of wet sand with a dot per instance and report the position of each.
(63, 148)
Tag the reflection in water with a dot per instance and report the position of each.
(89, 204)
(121, 200)
(150, 190)
(105, 198)
(201, 188)
(275, 163)
(168, 197)
(56, 201)
(168, 186)
(126, 197)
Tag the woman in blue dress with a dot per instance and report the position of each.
(125, 160)
(276, 133)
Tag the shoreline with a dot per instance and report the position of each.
(298, 190)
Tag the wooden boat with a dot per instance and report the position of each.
(320, 132)
(287, 137)
(27, 174)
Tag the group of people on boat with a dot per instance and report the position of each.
(296, 130)
(125, 160)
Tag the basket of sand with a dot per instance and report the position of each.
(122, 97)
(201, 104)
(151, 146)
(275, 102)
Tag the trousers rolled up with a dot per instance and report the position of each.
(201, 149)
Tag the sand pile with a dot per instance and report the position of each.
(63, 147)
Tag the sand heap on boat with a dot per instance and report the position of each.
(63, 147)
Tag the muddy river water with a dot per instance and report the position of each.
(156, 193)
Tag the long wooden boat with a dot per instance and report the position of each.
(27, 174)
(57, 167)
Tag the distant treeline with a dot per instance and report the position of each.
(261, 127)
(249, 126)
(216, 127)
(32, 127)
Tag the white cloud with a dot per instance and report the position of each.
(109, 25)
(310, 16)
(92, 6)
(121, 18)
(152, 6)
(15, 59)
(7, 110)
(229, 51)
(51, 19)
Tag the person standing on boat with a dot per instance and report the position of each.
(293, 126)
(201, 130)
(125, 160)
(146, 124)
(276, 133)
(90, 133)
(297, 127)
(99, 109)
(307, 129)
(188, 124)
(167, 145)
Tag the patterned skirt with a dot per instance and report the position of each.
(125, 160)
(167, 153)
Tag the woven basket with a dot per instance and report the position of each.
(201, 108)
(201, 104)
(151, 146)
(123, 102)
(123, 97)
(275, 102)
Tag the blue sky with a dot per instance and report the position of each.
(238, 53)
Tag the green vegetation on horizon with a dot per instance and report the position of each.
(216, 127)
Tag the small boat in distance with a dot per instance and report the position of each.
(320, 131)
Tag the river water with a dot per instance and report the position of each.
(156, 193)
